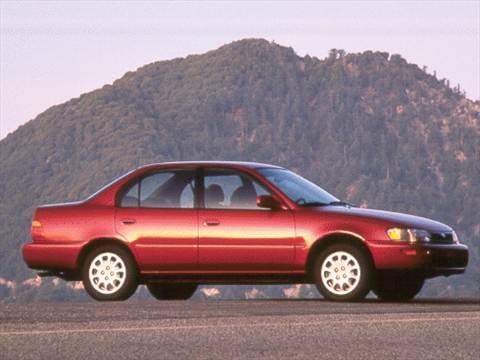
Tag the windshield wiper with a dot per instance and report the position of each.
(313, 203)
(340, 203)
(303, 203)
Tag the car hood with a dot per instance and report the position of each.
(394, 218)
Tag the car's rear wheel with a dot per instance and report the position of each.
(398, 285)
(109, 274)
(171, 291)
(343, 272)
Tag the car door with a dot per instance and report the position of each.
(234, 234)
(157, 214)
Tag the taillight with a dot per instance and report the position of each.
(37, 230)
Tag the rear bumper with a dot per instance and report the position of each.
(48, 256)
(433, 259)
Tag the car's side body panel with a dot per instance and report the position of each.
(163, 239)
(246, 240)
(65, 230)
(78, 222)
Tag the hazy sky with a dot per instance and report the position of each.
(53, 51)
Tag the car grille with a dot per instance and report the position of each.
(441, 238)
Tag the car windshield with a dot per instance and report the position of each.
(298, 189)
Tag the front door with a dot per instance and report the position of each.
(237, 236)
(157, 215)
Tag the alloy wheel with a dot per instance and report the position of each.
(107, 273)
(340, 273)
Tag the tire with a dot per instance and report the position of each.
(398, 285)
(171, 291)
(97, 273)
(343, 272)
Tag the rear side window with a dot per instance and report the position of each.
(165, 189)
(130, 199)
(152, 192)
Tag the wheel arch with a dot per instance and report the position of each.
(338, 237)
(92, 244)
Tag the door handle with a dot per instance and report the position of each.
(211, 222)
(128, 221)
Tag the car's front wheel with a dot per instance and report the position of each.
(343, 272)
(171, 291)
(109, 274)
(398, 285)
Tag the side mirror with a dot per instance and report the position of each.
(267, 202)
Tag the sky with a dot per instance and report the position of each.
(51, 51)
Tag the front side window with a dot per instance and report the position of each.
(226, 189)
(165, 189)
(298, 189)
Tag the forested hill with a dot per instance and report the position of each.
(371, 128)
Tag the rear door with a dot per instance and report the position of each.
(157, 215)
(237, 236)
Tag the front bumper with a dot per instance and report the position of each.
(51, 256)
(433, 259)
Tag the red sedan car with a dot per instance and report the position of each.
(173, 226)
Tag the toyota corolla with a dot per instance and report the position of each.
(173, 226)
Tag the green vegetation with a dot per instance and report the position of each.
(370, 128)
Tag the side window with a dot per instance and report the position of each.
(187, 196)
(130, 199)
(153, 191)
(165, 189)
(226, 189)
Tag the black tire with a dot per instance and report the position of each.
(398, 285)
(364, 277)
(171, 291)
(130, 274)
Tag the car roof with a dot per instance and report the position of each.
(233, 164)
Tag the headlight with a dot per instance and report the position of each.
(409, 235)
